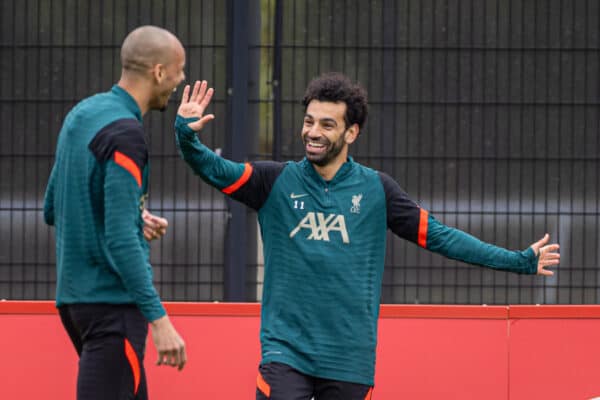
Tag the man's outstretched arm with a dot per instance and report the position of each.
(409, 221)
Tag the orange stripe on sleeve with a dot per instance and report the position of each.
(422, 238)
(262, 385)
(134, 363)
(369, 393)
(127, 163)
(240, 182)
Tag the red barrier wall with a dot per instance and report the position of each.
(424, 352)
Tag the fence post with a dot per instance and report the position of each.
(276, 80)
(237, 117)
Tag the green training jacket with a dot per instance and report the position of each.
(324, 250)
(94, 199)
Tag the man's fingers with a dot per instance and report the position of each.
(185, 95)
(194, 96)
(198, 125)
(156, 222)
(206, 99)
(150, 223)
(164, 358)
(161, 222)
(153, 221)
(550, 263)
(193, 104)
(154, 232)
(183, 359)
(151, 234)
(174, 358)
(201, 92)
(548, 255)
(542, 267)
(179, 358)
(549, 252)
(537, 245)
(551, 248)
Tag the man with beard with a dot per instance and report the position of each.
(323, 223)
(95, 199)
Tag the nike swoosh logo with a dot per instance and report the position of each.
(297, 196)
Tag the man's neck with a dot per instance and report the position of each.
(328, 171)
(135, 90)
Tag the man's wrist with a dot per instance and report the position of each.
(181, 124)
(159, 321)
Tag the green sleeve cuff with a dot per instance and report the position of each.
(182, 128)
(155, 314)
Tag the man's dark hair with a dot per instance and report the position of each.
(336, 87)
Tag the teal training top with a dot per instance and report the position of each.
(324, 249)
(94, 199)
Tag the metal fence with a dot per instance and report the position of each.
(486, 113)
(53, 54)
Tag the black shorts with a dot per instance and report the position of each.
(278, 381)
(110, 341)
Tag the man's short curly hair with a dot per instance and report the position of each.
(336, 87)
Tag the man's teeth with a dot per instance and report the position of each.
(317, 145)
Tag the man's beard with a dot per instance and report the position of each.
(161, 103)
(333, 150)
(163, 107)
(160, 107)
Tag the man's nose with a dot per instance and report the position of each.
(314, 131)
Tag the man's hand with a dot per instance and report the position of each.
(193, 106)
(548, 255)
(169, 345)
(154, 227)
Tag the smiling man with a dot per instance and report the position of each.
(95, 200)
(324, 221)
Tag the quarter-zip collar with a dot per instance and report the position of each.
(340, 175)
(129, 101)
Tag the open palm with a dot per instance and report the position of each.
(193, 106)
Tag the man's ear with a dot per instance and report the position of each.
(158, 72)
(351, 133)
